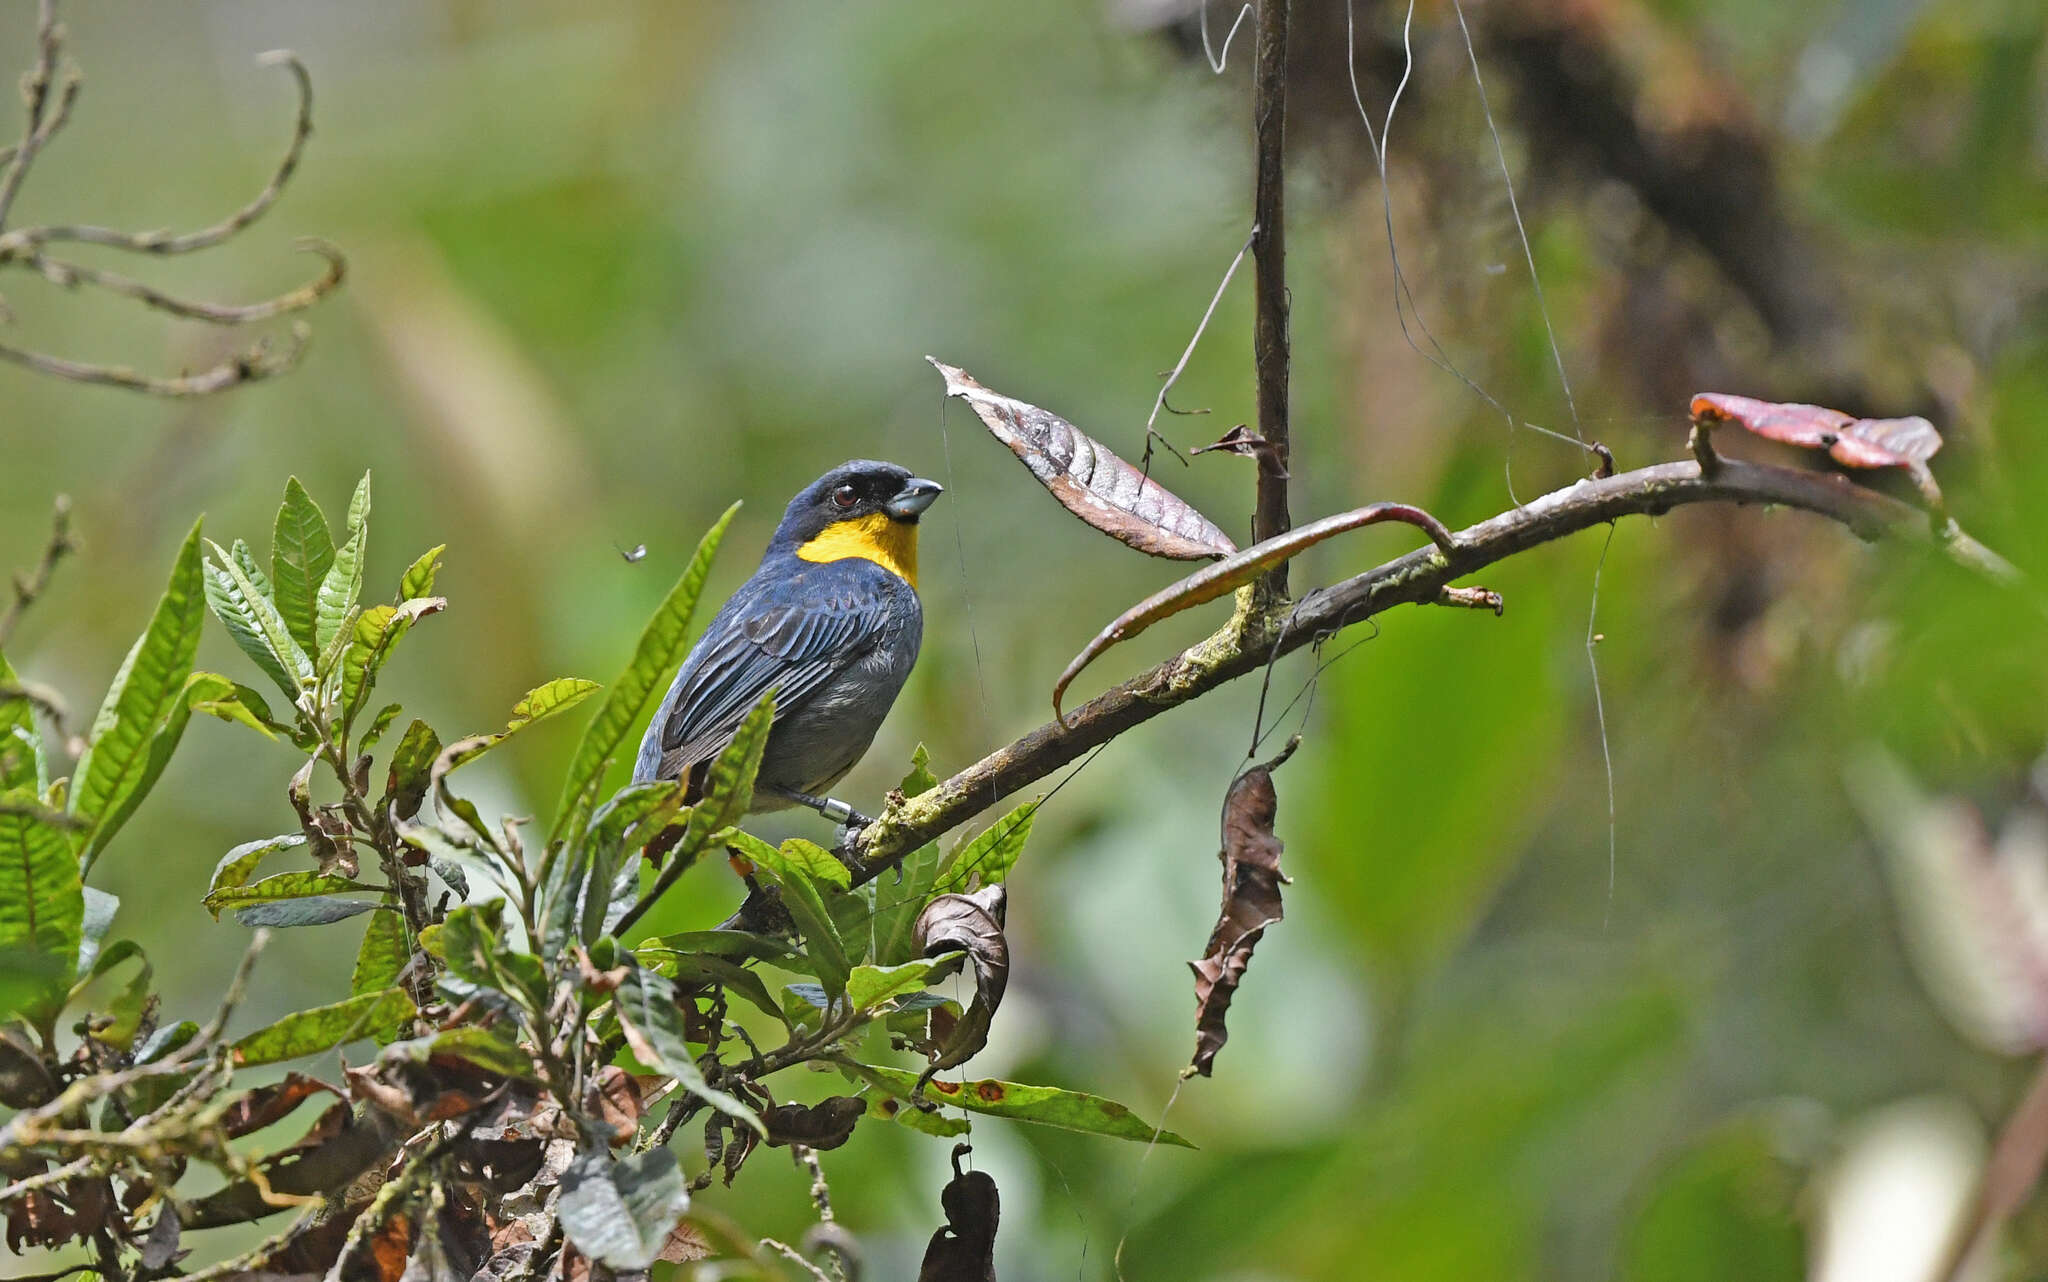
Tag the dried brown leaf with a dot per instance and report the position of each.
(267, 1104)
(973, 924)
(617, 1098)
(1905, 443)
(824, 1125)
(686, 1242)
(1088, 479)
(964, 1250)
(1243, 442)
(1251, 902)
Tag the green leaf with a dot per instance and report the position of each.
(486, 1048)
(412, 764)
(202, 690)
(661, 647)
(990, 856)
(42, 906)
(301, 551)
(238, 865)
(340, 588)
(128, 1003)
(646, 1003)
(382, 954)
(889, 1108)
(700, 969)
(729, 785)
(1045, 1105)
(893, 927)
(21, 745)
(148, 686)
(579, 882)
(808, 906)
(539, 703)
(100, 908)
(621, 1213)
(245, 560)
(300, 884)
(869, 986)
(731, 944)
(308, 1032)
(816, 862)
(378, 630)
(378, 725)
(419, 577)
(255, 624)
(358, 507)
(469, 943)
(920, 779)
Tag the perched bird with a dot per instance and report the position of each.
(830, 623)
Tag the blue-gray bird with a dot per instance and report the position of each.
(830, 622)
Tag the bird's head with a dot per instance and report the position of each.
(860, 509)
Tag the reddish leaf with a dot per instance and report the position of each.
(1089, 480)
(1850, 441)
(617, 1096)
(1251, 902)
(266, 1104)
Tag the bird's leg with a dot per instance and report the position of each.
(830, 807)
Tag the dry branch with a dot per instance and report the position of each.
(1270, 343)
(1252, 639)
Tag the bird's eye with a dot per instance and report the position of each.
(844, 497)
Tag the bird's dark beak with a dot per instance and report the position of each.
(910, 502)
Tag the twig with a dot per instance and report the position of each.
(251, 366)
(71, 275)
(33, 584)
(1270, 343)
(35, 92)
(1180, 366)
(1415, 578)
(821, 1197)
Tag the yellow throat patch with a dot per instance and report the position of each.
(876, 537)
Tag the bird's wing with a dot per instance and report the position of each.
(788, 646)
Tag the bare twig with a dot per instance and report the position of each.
(1270, 343)
(251, 366)
(72, 275)
(27, 587)
(38, 128)
(1250, 642)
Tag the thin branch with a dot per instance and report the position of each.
(1253, 639)
(164, 243)
(72, 275)
(27, 587)
(250, 366)
(1270, 343)
(35, 92)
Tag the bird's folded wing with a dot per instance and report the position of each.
(791, 649)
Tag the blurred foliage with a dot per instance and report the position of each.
(610, 271)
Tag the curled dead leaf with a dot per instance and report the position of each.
(1245, 443)
(964, 1250)
(1251, 902)
(824, 1125)
(616, 1095)
(972, 924)
(266, 1104)
(1235, 571)
(1088, 479)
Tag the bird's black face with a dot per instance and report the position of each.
(862, 491)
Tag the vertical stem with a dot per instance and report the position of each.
(1270, 345)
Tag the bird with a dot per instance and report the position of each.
(830, 624)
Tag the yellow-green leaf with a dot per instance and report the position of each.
(308, 1032)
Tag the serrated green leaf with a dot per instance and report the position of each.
(382, 954)
(661, 647)
(238, 865)
(729, 784)
(245, 560)
(538, 704)
(42, 905)
(308, 1032)
(378, 725)
(340, 588)
(21, 744)
(358, 507)
(298, 884)
(1045, 1105)
(144, 692)
(816, 862)
(621, 1213)
(301, 552)
(256, 626)
(646, 1005)
(809, 906)
(418, 580)
(989, 857)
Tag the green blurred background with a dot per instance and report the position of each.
(613, 267)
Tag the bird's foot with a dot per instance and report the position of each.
(850, 821)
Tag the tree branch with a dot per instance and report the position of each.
(1270, 344)
(1251, 639)
(27, 587)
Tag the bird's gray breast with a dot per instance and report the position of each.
(815, 743)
